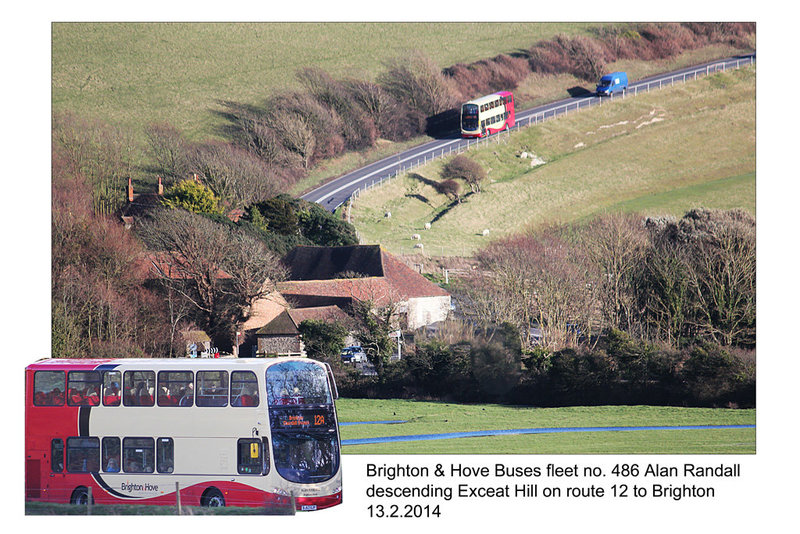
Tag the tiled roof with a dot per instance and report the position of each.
(286, 323)
(329, 263)
(318, 313)
(282, 325)
(398, 283)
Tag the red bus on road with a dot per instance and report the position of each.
(230, 432)
(487, 115)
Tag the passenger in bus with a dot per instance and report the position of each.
(111, 395)
(112, 466)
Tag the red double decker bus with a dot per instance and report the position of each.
(230, 432)
(487, 115)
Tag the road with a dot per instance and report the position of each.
(336, 192)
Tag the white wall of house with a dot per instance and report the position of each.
(427, 310)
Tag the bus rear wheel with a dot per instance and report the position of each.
(80, 496)
(212, 498)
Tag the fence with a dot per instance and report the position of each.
(463, 145)
(87, 505)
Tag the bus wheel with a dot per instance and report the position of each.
(80, 496)
(212, 498)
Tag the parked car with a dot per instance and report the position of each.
(353, 354)
(612, 83)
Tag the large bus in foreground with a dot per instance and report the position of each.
(487, 115)
(229, 432)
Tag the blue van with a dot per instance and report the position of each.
(611, 83)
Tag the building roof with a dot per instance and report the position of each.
(328, 314)
(282, 325)
(195, 336)
(396, 281)
(287, 322)
(330, 263)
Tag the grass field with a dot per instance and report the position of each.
(663, 152)
(132, 74)
(437, 418)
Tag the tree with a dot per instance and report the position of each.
(323, 340)
(464, 168)
(418, 82)
(221, 270)
(237, 177)
(376, 324)
(449, 188)
(169, 149)
(617, 245)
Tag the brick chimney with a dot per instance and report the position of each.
(130, 190)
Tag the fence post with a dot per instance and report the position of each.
(178, 498)
(89, 501)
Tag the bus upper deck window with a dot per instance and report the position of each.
(48, 388)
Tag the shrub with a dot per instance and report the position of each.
(450, 188)
(417, 81)
(192, 196)
(463, 168)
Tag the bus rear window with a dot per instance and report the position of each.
(48, 388)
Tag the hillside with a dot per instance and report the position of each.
(657, 153)
(134, 74)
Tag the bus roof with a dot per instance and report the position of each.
(489, 98)
(154, 363)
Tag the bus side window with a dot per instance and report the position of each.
(138, 455)
(212, 388)
(57, 455)
(111, 392)
(244, 388)
(111, 450)
(139, 387)
(48, 388)
(83, 388)
(165, 455)
(83, 454)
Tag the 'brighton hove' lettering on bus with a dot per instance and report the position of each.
(131, 487)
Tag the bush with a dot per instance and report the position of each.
(463, 168)
(449, 188)
(192, 196)
(715, 377)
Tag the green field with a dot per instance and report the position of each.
(133, 74)
(438, 418)
(662, 152)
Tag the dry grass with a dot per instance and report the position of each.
(667, 145)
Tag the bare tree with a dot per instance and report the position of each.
(617, 244)
(416, 80)
(169, 150)
(216, 267)
(236, 176)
